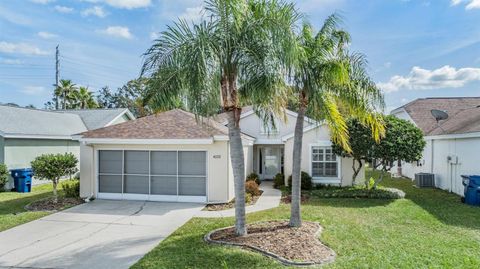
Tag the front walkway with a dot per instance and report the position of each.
(100, 234)
(269, 199)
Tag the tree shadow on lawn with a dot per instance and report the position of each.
(444, 206)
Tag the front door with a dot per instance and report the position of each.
(271, 161)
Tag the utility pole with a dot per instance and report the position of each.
(57, 65)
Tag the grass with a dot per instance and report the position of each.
(428, 229)
(12, 211)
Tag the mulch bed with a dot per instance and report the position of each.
(48, 204)
(288, 198)
(231, 204)
(276, 239)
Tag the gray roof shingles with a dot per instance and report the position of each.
(37, 122)
(463, 115)
(96, 118)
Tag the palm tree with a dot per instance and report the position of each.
(235, 57)
(64, 89)
(331, 85)
(82, 98)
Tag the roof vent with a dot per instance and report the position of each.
(439, 114)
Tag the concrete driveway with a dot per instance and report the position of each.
(100, 234)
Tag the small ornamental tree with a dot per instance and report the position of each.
(361, 143)
(403, 141)
(53, 167)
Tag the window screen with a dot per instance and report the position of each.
(191, 186)
(164, 162)
(110, 162)
(192, 163)
(110, 184)
(136, 162)
(162, 185)
(136, 184)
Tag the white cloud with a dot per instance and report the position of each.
(154, 35)
(126, 4)
(46, 35)
(423, 79)
(117, 31)
(43, 2)
(33, 90)
(471, 4)
(192, 14)
(95, 11)
(63, 9)
(21, 48)
(11, 61)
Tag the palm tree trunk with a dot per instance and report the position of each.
(295, 214)
(238, 166)
(64, 106)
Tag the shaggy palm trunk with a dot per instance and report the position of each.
(238, 166)
(295, 215)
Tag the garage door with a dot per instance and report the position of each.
(152, 175)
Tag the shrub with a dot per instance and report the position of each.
(252, 188)
(248, 198)
(71, 188)
(278, 180)
(358, 192)
(3, 176)
(254, 177)
(53, 167)
(306, 179)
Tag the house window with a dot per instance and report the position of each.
(324, 162)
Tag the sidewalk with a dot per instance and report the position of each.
(270, 199)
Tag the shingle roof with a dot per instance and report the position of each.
(463, 112)
(96, 118)
(173, 124)
(35, 122)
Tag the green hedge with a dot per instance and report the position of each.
(357, 192)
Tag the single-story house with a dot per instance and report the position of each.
(27, 133)
(174, 156)
(452, 144)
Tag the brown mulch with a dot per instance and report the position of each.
(48, 204)
(288, 198)
(297, 245)
(231, 204)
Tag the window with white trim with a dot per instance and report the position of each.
(324, 162)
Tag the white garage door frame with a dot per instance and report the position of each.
(149, 197)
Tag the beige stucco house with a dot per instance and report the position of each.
(28, 133)
(172, 156)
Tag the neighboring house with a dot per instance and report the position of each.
(27, 133)
(452, 145)
(172, 156)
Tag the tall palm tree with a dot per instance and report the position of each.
(64, 89)
(331, 85)
(235, 57)
(83, 98)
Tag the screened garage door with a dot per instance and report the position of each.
(152, 175)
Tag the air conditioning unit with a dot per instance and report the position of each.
(425, 180)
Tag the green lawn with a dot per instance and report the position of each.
(12, 212)
(428, 229)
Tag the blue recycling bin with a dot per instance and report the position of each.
(472, 189)
(22, 179)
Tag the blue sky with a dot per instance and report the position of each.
(415, 48)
